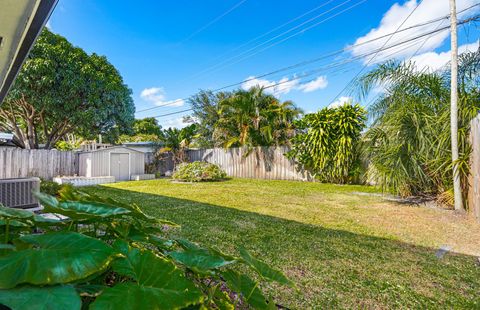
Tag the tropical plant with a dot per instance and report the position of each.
(253, 118)
(110, 255)
(206, 113)
(176, 141)
(199, 171)
(144, 130)
(62, 90)
(50, 187)
(327, 143)
(408, 144)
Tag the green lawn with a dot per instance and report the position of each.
(344, 249)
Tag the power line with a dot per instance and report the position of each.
(216, 19)
(332, 66)
(331, 54)
(371, 59)
(268, 32)
(228, 62)
(315, 59)
(345, 61)
(307, 62)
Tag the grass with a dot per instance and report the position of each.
(342, 246)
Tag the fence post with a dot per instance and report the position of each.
(474, 179)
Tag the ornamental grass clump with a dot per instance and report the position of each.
(199, 172)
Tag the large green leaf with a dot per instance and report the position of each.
(132, 296)
(264, 270)
(80, 210)
(43, 221)
(56, 258)
(46, 200)
(241, 283)
(70, 194)
(199, 259)
(14, 223)
(11, 213)
(40, 298)
(159, 284)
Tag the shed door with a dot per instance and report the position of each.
(119, 166)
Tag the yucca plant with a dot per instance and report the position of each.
(110, 255)
(408, 143)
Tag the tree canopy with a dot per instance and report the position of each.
(253, 118)
(146, 129)
(62, 90)
(206, 113)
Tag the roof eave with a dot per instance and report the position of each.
(38, 20)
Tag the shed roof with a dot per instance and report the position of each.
(113, 147)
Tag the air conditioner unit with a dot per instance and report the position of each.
(17, 193)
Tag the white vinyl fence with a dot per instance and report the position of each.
(47, 164)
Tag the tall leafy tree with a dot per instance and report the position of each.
(62, 90)
(146, 130)
(253, 118)
(327, 143)
(408, 144)
(206, 113)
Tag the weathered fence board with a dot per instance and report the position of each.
(474, 190)
(19, 163)
(261, 163)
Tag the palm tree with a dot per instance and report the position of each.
(253, 118)
(177, 141)
(408, 144)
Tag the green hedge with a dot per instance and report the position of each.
(199, 172)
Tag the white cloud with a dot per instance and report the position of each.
(319, 83)
(174, 123)
(157, 96)
(49, 25)
(285, 85)
(433, 61)
(340, 101)
(392, 19)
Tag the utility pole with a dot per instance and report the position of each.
(457, 187)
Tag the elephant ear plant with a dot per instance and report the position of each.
(109, 255)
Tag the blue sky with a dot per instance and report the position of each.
(167, 50)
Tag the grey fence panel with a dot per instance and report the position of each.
(47, 164)
(260, 163)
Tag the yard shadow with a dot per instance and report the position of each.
(332, 268)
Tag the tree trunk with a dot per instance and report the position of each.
(457, 186)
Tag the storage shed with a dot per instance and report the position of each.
(118, 161)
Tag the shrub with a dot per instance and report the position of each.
(327, 143)
(111, 255)
(49, 187)
(199, 172)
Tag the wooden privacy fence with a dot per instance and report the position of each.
(19, 163)
(474, 190)
(261, 163)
